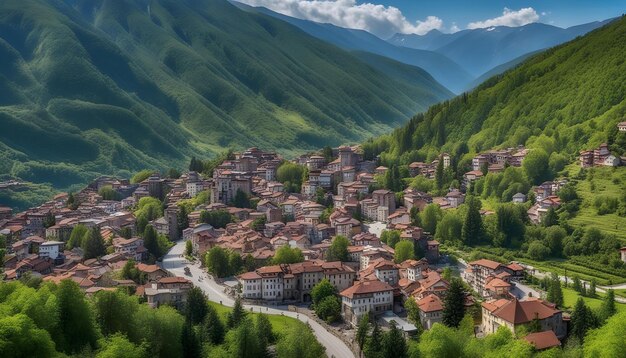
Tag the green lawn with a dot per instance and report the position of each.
(279, 323)
(570, 297)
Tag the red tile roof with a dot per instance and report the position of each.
(520, 312)
(543, 340)
(430, 303)
(486, 263)
(366, 287)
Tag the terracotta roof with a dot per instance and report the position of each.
(515, 267)
(486, 263)
(543, 340)
(174, 279)
(495, 283)
(520, 312)
(430, 303)
(366, 287)
(147, 268)
(252, 275)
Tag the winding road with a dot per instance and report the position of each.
(175, 262)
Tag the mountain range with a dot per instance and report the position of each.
(459, 60)
(114, 86)
(480, 50)
(443, 69)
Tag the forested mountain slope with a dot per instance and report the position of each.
(112, 86)
(443, 69)
(563, 100)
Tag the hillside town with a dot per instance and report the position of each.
(338, 201)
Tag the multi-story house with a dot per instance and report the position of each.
(167, 290)
(374, 297)
(294, 282)
(514, 313)
(51, 249)
(431, 310)
(478, 272)
(130, 248)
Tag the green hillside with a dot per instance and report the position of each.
(113, 86)
(563, 100)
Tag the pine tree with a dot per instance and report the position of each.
(454, 304)
(374, 344)
(182, 219)
(362, 331)
(196, 306)
(555, 292)
(576, 285)
(213, 329)
(583, 319)
(473, 230)
(264, 330)
(237, 315)
(591, 292)
(244, 341)
(394, 344)
(241, 199)
(608, 308)
(151, 241)
(439, 174)
(94, 244)
(190, 342)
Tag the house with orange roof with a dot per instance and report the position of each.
(431, 310)
(374, 297)
(153, 272)
(512, 313)
(480, 272)
(294, 282)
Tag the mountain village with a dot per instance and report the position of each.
(338, 199)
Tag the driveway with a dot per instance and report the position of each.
(175, 263)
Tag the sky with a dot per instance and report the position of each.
(386, 17)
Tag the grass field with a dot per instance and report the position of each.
(279, 323)
(570, 297)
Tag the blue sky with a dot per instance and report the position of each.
(562, 13)
(386, 17)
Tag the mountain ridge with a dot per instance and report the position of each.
(562, 100)
(480, 50)
(92, 87)
(443, 69)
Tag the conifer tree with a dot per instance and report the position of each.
(237, 315)
(213, 329)
(473, 230)
(454, 304)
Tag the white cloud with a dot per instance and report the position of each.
(378, 19)
(454, 28)
(509, 17)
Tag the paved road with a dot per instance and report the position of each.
(175, 263)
